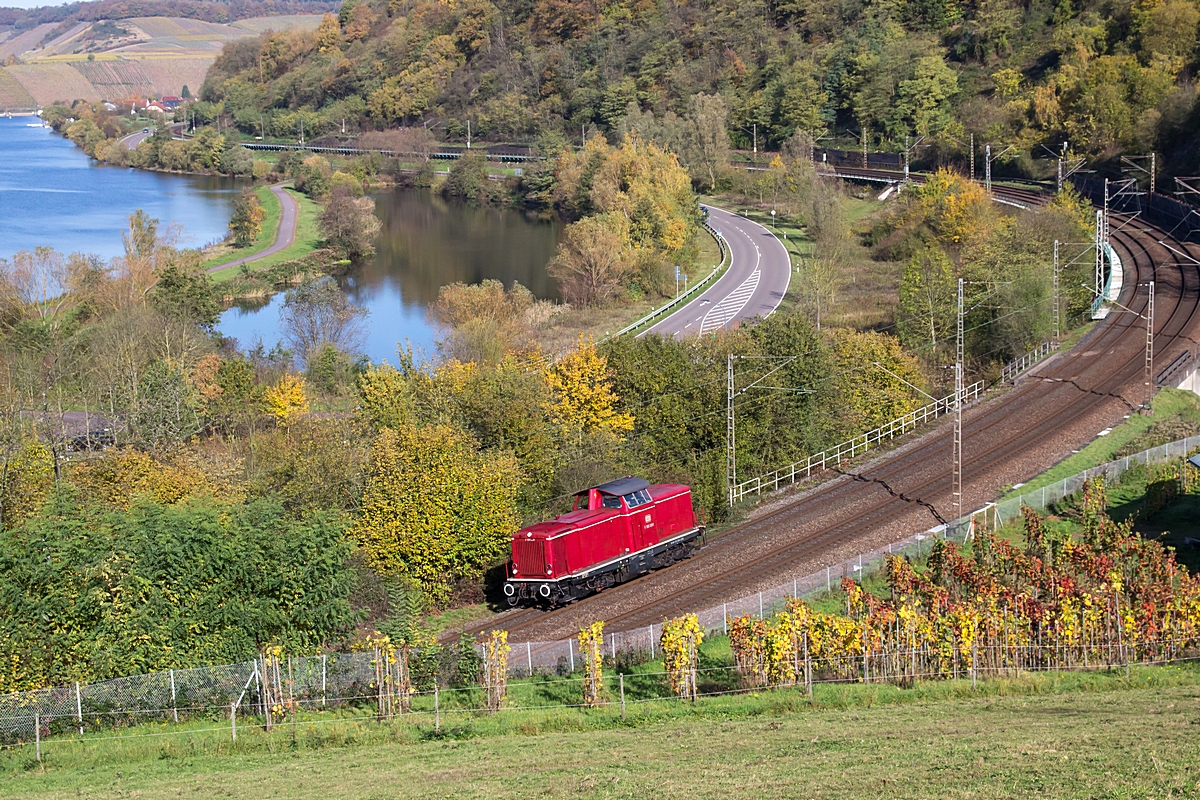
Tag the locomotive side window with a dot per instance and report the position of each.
(638, 498)
(612, 501)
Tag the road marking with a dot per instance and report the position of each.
(728, 309)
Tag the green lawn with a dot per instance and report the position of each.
(266, 236)
(308, 238)
(1066, 736)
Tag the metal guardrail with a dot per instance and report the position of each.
(853, 447)
(1015, 368)
(676, 301)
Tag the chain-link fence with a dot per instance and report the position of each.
(341, 679)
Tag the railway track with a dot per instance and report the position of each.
(1058, 406)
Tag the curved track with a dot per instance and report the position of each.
(1056, 408)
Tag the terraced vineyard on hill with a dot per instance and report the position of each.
(148, 56)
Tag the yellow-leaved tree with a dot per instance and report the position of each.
(287, 400)
(583, 402)
(435, 508)
(956, 208)
(874, 378)
(385, 397)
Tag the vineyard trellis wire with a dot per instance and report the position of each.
(337, 679)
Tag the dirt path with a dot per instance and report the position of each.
(283, 237)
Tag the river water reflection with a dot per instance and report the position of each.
(52, 194)
(427, 242)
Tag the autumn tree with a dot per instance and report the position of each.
(436, 509)
(349, 224)
(927, 297)
(246, 223)
(583, 402)
(287, 400)
(877, 381)
(485, 322)
(591, 261)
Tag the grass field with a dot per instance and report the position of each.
(307, 239)
(1088, 735)
(270, 226)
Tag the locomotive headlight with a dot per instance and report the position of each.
(549, 570)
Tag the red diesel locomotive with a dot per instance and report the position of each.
(617, 530)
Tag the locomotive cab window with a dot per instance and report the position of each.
(612, 501)
(638, 498)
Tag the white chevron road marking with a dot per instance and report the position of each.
(729, 308)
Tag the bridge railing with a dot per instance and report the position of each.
(852, 447)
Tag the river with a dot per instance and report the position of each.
(427, 242)
(52, 194)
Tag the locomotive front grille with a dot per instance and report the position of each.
(530, 558)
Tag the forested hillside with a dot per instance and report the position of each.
(1102, 76)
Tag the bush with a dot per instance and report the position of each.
(89, 594)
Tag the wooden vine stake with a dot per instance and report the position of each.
(495, 669)
(591, 646)
(679, 641)
(270, 670)
(390, 697)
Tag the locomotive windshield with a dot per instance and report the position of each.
(612, 501)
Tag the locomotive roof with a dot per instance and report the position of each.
(622, 486)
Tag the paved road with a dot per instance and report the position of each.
(134, 139)
(753, 286)
(283, 237)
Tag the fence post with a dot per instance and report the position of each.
(233, 719)
(725, 617)
(795, 594)
(651, 641)
(613, 640)
(974, 659)
(324, 658)
(807, 668)
(529, 657)
(37, 734)
(437, 711)
(827, 587)
(622, 677)
(760, 607)
(174, 706)
(571, 653)
(79, 708)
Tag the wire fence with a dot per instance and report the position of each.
(340, 680)
(623, 690)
